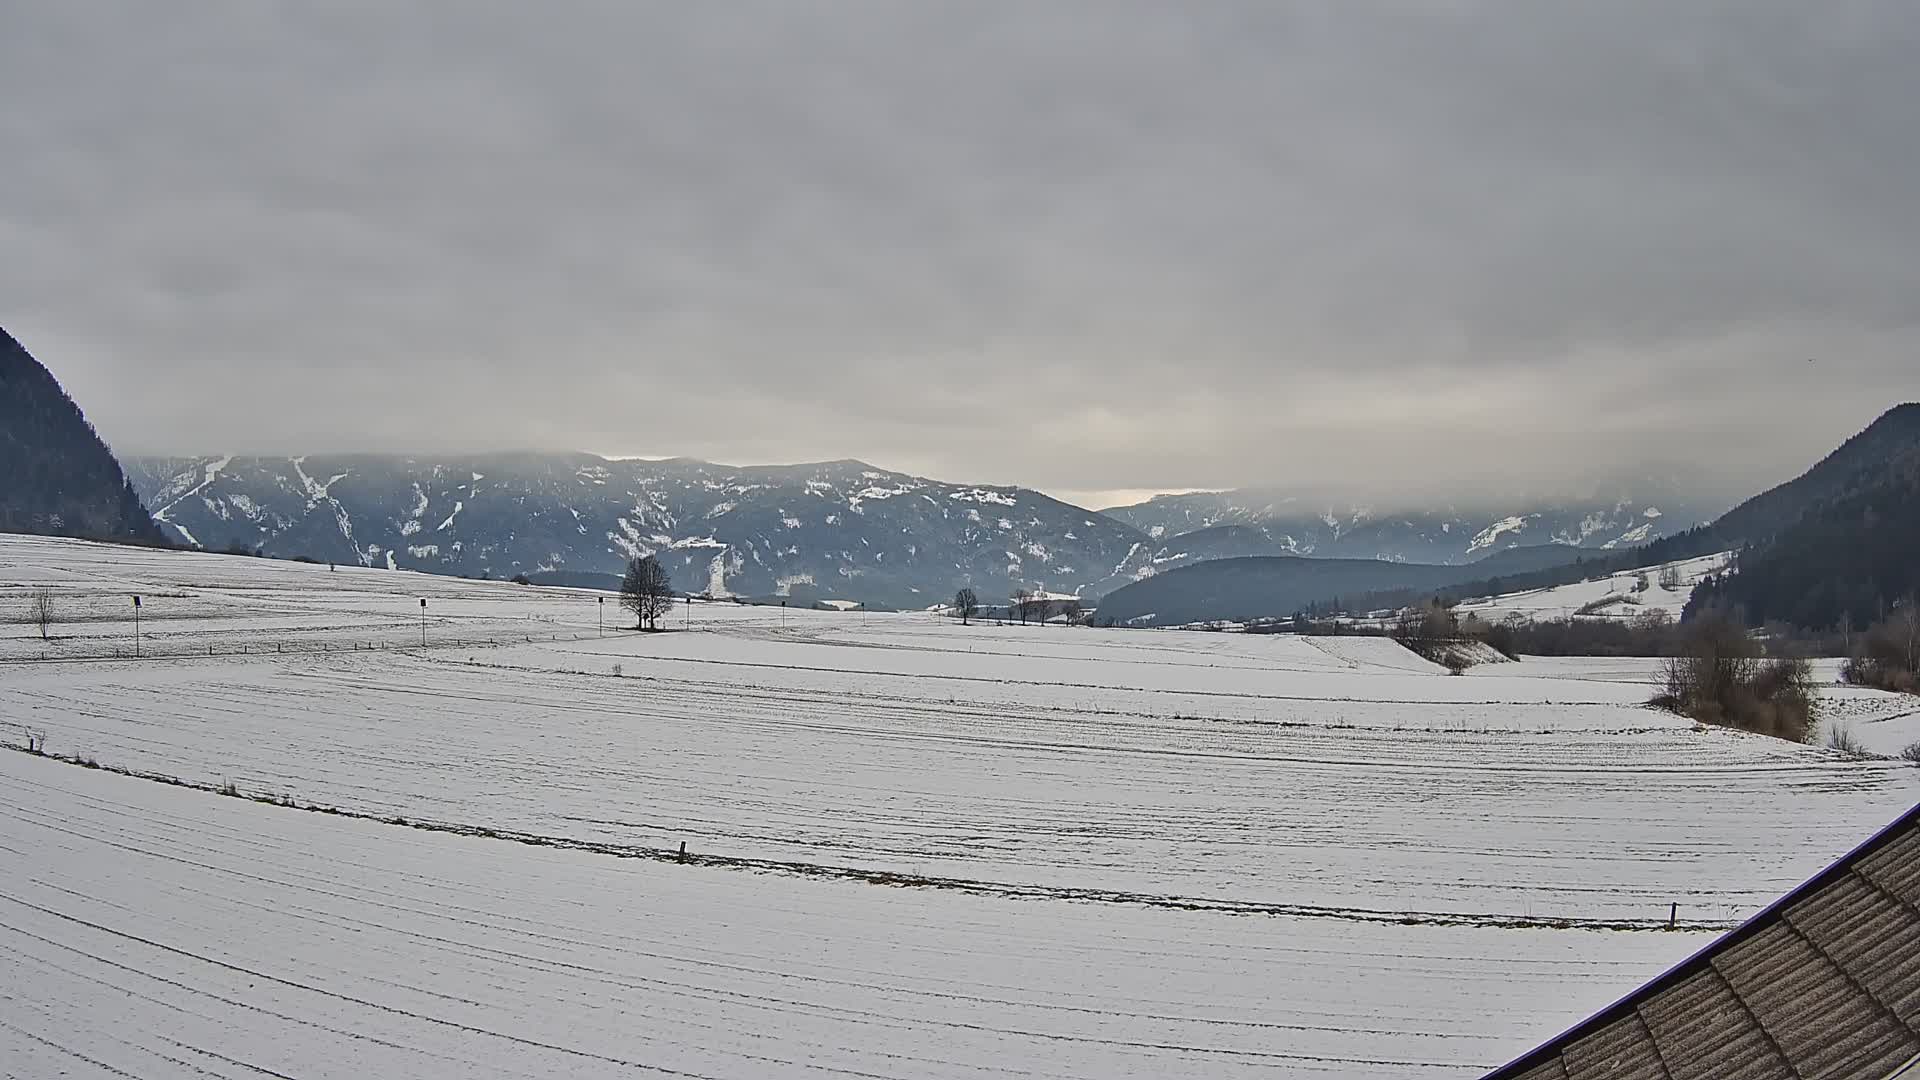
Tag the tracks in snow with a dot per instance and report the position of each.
(898, 879)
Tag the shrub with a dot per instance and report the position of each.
(1887, 656)
(1911, 753)
(1845, 741)
(1720, 679)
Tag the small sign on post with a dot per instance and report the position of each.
(136, 626)
(423, 622)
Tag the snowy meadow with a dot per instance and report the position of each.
(316, 847)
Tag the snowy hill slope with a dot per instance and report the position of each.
(1614, 596)
(837, 529)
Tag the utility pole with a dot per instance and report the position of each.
(603, 616)
(136, 627)
(423, 622)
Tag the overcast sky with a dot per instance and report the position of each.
(1084, 245)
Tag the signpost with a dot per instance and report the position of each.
(603, 616)
(423, 622)
(136, 626)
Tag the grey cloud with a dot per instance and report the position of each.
(1083, 244)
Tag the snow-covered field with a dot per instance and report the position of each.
(1616, 596)
(918, 849)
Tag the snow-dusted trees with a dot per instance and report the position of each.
(647, 591)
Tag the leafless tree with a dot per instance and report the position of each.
(646, 591)
(1670, 577)
(1022, 601)
(966, 605)
(40, 611)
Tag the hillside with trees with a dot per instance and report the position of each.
(1845, 562)
(59, 479)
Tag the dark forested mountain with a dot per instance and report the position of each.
(1839, 544)
(1860, 463)
(836, 529)
(56, 476)
(1294, 526)
(1275, 586)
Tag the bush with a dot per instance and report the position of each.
(1844, 740)
(1887, 656)
(1720, 679)
(1867, 671)
(1911, 753)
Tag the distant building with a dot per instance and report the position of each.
(1823, 984)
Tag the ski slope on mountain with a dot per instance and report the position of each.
(915, 848)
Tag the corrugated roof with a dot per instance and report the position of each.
(1823, 984)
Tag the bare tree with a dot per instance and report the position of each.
(1905, 628)
(647, 591)
(1022, 600)
(1670, 577)
(40, 611)
(1069, 611)
(966, 605)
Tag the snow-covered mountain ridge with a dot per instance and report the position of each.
(831, 529)
(1296, 526)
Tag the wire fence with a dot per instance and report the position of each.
(173, 650)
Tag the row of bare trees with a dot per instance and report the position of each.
(1024, 605)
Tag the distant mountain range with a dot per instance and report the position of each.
(1836, 542)
(835, 529)
(56, 476)
(1291, 525)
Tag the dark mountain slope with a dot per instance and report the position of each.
(1257, 587)
(1860, 463)
(1847, 559)
(1275, 586)
(56, 477)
